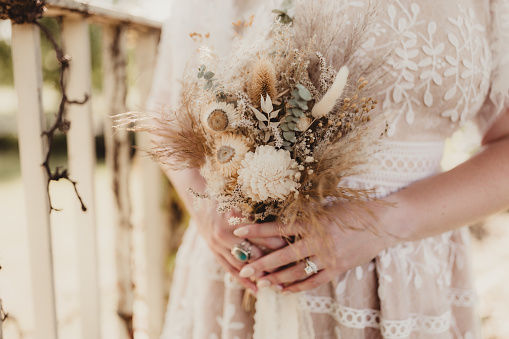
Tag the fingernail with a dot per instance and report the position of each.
(263, 283)
(246, 272)
(240, 232)
(287, 293)
(278, 288)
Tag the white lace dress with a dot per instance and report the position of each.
(449, 65)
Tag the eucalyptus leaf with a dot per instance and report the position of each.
(277, 11)
(284, 127)
(290, 118)
(209, 75)
(290, 136)
(286, 19)
(202, 68)
(295, 94)
(200, 75)
(286, 143)
(302, 104)
(293, 103)
(304, 93)
(287, 4)
(208, 85)
(292, 125)
(297, 112)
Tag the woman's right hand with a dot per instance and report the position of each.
(218, 234)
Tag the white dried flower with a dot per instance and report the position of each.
(268, 173)
(228, 153)
(297, 176)
(206, 53)
(216, 183)
(218, 116)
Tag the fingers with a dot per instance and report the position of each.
(264, 230)
(272, 243)
(276, 259)
(310, 283)
(289, 275)
(223, 241)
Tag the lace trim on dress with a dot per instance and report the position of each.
(416, 323)
(346, 316)
(363, 318)
(398, 164)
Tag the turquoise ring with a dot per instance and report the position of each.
(242, 251)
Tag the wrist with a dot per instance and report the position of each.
(398, 219)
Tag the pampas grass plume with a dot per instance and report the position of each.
(327, 103)
(263, 81)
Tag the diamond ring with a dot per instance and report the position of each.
(311, 267)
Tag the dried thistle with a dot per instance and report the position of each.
(263, 81)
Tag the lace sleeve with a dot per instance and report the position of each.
(498, 99)
(191, 24)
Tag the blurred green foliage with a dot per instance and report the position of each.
(50, 65)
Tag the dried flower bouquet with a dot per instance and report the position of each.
(273, 128)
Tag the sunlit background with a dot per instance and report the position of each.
(490, 239)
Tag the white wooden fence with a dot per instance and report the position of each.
(76, 18)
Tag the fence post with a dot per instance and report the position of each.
(1, 318)
(156, 233)
(81, 155)
(118, 150)
(26, 58)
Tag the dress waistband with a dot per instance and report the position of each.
(397, 164)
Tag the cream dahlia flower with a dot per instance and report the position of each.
(268, 173)
(229, 151)
(218, 116)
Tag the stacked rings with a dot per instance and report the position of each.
(311, 267)
(242, 251)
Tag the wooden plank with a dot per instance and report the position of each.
(28, 82)
(118, 149)
(1, 318)
(101, 12)
(81, 155)
(153, 219)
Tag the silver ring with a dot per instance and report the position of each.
(242, 251)
(311, 267)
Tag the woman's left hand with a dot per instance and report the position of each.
(334, 252)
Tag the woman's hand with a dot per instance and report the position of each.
(218, 234)
(334, 251)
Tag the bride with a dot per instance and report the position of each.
(449, 64)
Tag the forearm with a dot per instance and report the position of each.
(182, 181)
(470, 192)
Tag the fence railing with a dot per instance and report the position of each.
(75, 42)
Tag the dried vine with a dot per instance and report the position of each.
(22, 11)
